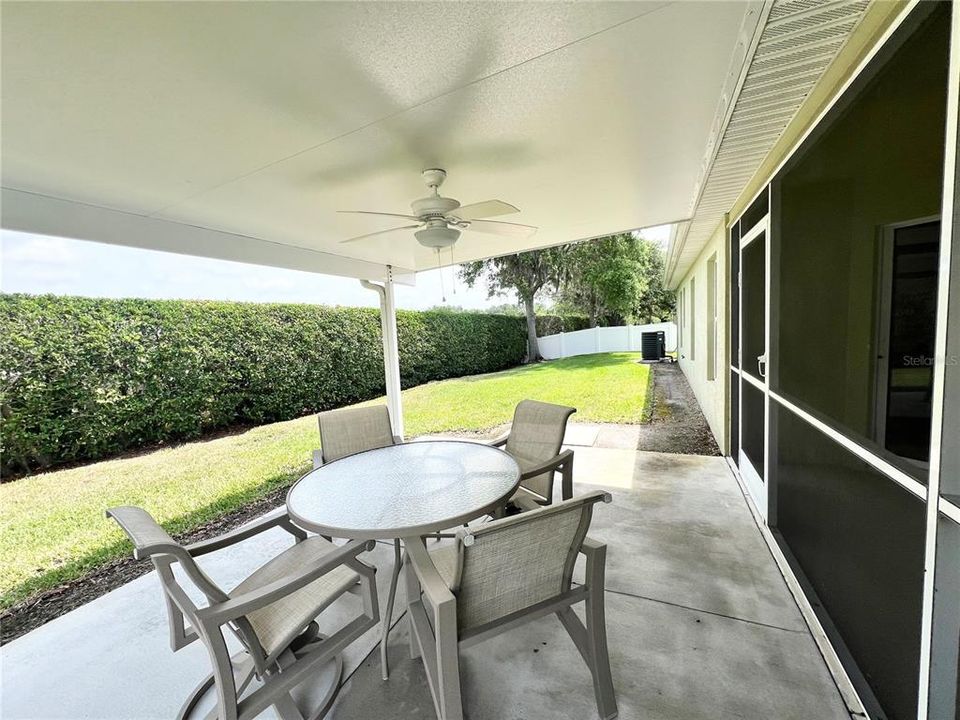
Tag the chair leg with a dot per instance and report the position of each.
(224, 681)
(566, 479)
(412, 585)
(597, 640)
(198, 692)
(243, 673)
(388, 615)
(448, 662)
(284, 704)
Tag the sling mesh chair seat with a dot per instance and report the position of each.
(502, 574)
(277, 624)
(349, 431)
(272, 612)
(534, 440)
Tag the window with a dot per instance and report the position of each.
(680, 319)
(693, 318)
(712, 318)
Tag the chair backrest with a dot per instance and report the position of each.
(512, 564)
(151, 541)
(352, 430)
(536, 436)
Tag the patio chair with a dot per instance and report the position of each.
(534, 441)
(500, 575)
(272, 612)
(349, 431)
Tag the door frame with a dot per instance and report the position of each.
(756, 479)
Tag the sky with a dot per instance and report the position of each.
(39, 264)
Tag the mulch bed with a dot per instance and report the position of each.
(676, 423)
(40, 609)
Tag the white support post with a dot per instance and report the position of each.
(391, 351)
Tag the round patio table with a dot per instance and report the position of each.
(403, 491)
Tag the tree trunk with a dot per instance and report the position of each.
(533, 347)
(594, 310)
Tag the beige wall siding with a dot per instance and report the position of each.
(711, 394)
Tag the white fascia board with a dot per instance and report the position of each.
(45, 215)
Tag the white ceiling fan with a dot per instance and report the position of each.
(439, 220)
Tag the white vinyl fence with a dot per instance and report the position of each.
(603, 339)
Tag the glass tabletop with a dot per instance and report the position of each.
(403, 490)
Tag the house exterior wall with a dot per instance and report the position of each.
(694, 348)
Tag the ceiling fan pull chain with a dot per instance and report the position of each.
(453, 272)
(443, 295)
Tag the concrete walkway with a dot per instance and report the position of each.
(700, 626)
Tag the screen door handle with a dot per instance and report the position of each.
(762, 365)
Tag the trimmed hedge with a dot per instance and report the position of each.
(83, 379)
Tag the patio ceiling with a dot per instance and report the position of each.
(236, 130)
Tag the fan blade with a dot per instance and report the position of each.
(497, 227)
(380, 232)
(485, 209)
(368, 212)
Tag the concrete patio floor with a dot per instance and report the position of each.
(700, 625)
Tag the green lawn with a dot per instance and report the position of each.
(52, 526)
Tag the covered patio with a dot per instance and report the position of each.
(700, 625)
(240, 131)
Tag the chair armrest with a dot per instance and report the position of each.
(432, 584)
(552, 464)
(500, 441)
(242, 605)
(278, 518)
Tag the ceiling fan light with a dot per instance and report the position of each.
(437, 237)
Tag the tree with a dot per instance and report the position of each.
(526, 273)
(656, 303)
(616, 279)
(605, 278)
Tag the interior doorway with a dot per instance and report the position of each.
(909, 257)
